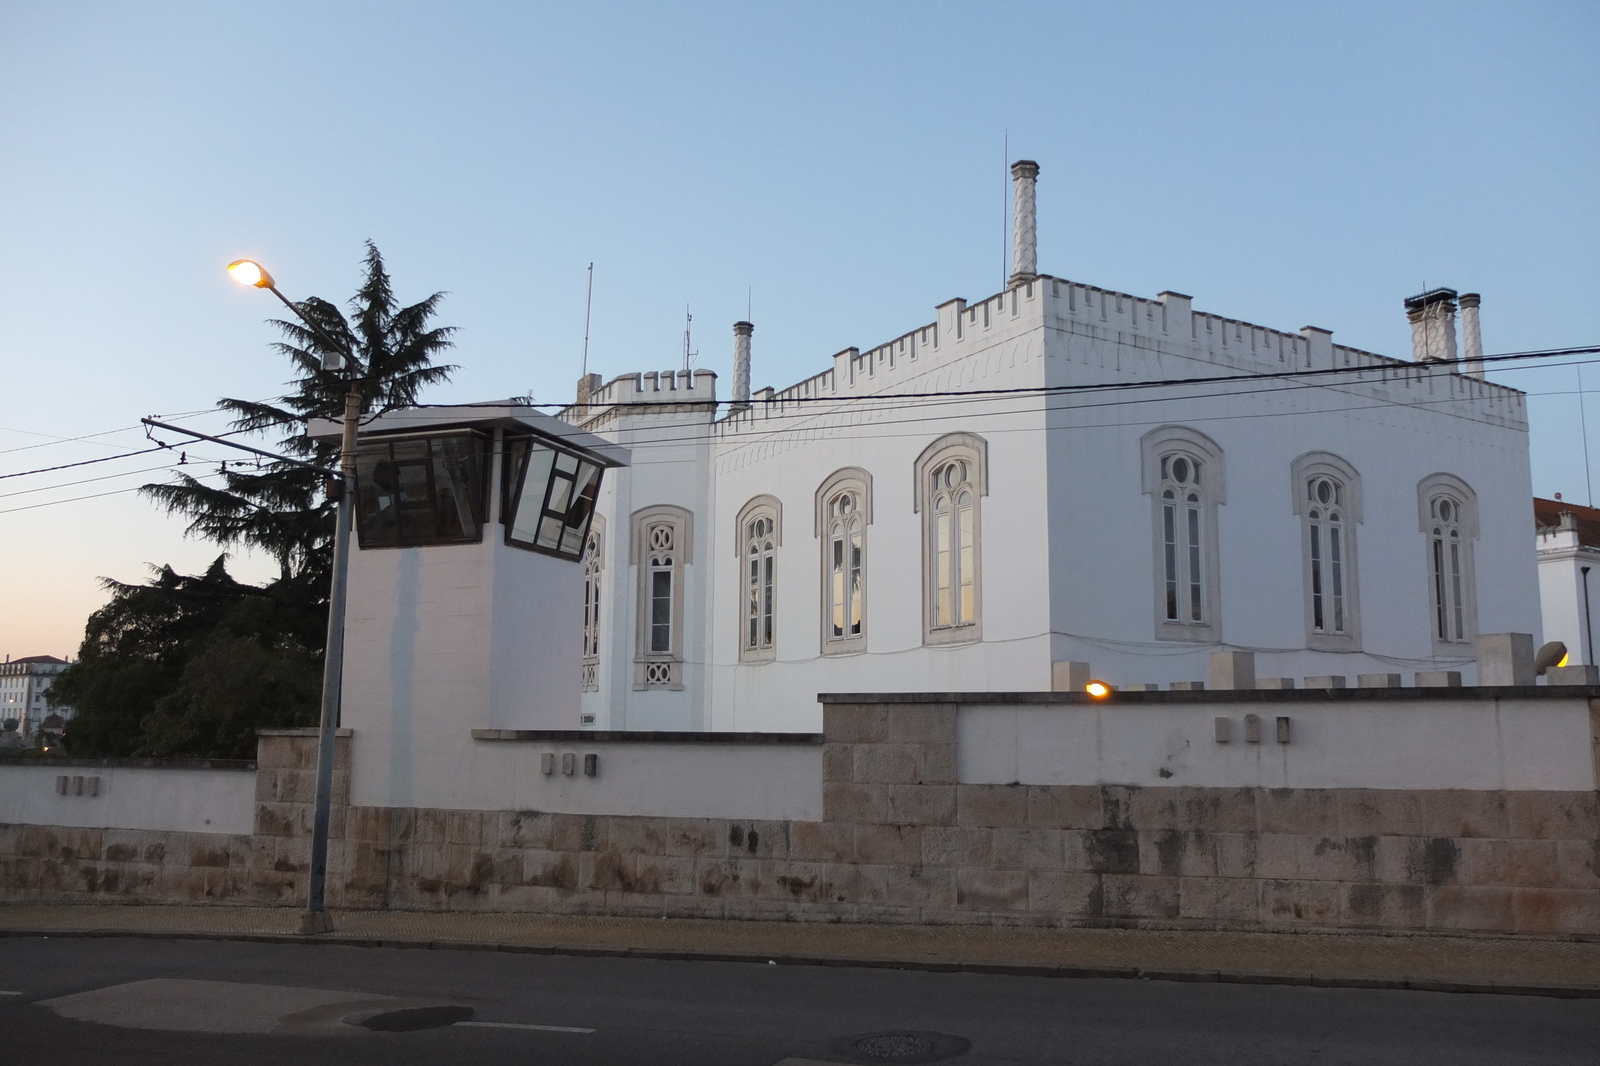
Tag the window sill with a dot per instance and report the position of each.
(953, 635)
(1189, 634)
(1341, 642)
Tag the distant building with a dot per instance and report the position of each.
(1569, 548)
(23, 684)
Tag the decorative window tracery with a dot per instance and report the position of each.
(760, 534)
(1448, 509)
(661, 549)
(952, 478)
(1183, 473)
(1327, 497)
(593, 573)
(844, 510)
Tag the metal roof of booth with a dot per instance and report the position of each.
(512, 414)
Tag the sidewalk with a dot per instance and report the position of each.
(1453, 964)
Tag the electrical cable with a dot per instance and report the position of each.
(90, 496)
(1391, 367)
(195, 461)
(776, 435)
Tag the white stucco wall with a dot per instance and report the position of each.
(1067, 556)
(193, 801)
(1562, 596)
(684, 780)
(1390, 744)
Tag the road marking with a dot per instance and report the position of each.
(10, 993)
(519, 1025)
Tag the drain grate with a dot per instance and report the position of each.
(901, 1046)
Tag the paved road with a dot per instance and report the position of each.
(728, 1014)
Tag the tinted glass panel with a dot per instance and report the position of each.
(420, 490)
(553, 501)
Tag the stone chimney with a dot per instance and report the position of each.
(1024, 222)
(1433, 326)
(588, 385)
(741, 362)
(1471, 337)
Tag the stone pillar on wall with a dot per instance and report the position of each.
(286, 784)
(1505, 659)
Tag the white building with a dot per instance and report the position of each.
(1008, 487)
(1054, 476)
(23, 684)
(1568, 539)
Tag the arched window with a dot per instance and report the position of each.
(661, 547)
(1183, 475)
(760, 534)
(844, 510)
(1327, 497)
(952, 478)
(1449, 511)
(593, 565)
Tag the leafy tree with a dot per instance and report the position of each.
(283, 509)
(133, 682)
(192, 665)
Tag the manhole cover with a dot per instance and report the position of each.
(901, 1047)
(894, 1046)
(409, 1021)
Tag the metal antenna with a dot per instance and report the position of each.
(588, 304)
(688, 321)
(1005, 188)
(1583, 420)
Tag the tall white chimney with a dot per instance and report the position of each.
(1471, 336)
(1433, 326)
(1024, 222)
(741, 362)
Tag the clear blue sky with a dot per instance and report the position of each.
(1288, 164)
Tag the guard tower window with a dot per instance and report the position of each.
(550, 497)
(421, 490)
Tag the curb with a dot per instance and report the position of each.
(1239, 977)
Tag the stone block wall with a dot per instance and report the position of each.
(900, 840)
(45, 863)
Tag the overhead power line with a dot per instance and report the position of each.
(1387, 369)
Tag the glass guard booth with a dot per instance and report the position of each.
(416, 489)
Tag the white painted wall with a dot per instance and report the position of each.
(1562, 597)
(1433, 744)
(1068, 562)
(758, 781)
(191, 801)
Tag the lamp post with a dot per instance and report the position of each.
(315, 918)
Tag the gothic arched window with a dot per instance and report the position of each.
(951, 480)
(760, 534)
(1183, 475)
(1448, 509)
(1327, 497)
(593, 566)
(844, 510)
(661, 549)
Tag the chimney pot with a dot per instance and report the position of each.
(1432, 315)
(1024, 222)
(741, 362)
(1471, 335)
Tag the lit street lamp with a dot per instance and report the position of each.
(336, 357)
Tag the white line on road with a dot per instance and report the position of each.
(519, 1025)
(10, 993)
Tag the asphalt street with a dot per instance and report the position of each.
(313, 1004)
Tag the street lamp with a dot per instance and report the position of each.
(336, 357)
